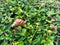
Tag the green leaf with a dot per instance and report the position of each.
(21, 43)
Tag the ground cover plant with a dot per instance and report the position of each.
(43, 21)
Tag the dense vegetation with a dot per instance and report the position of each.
(42, 22)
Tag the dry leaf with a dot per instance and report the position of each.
(53, 27)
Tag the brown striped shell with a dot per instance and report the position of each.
(18, 22)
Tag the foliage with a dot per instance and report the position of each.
(37, 29)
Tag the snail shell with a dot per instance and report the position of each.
(18, 22)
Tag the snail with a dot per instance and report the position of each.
(18, 22)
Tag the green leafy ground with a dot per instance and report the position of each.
(37, 30)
